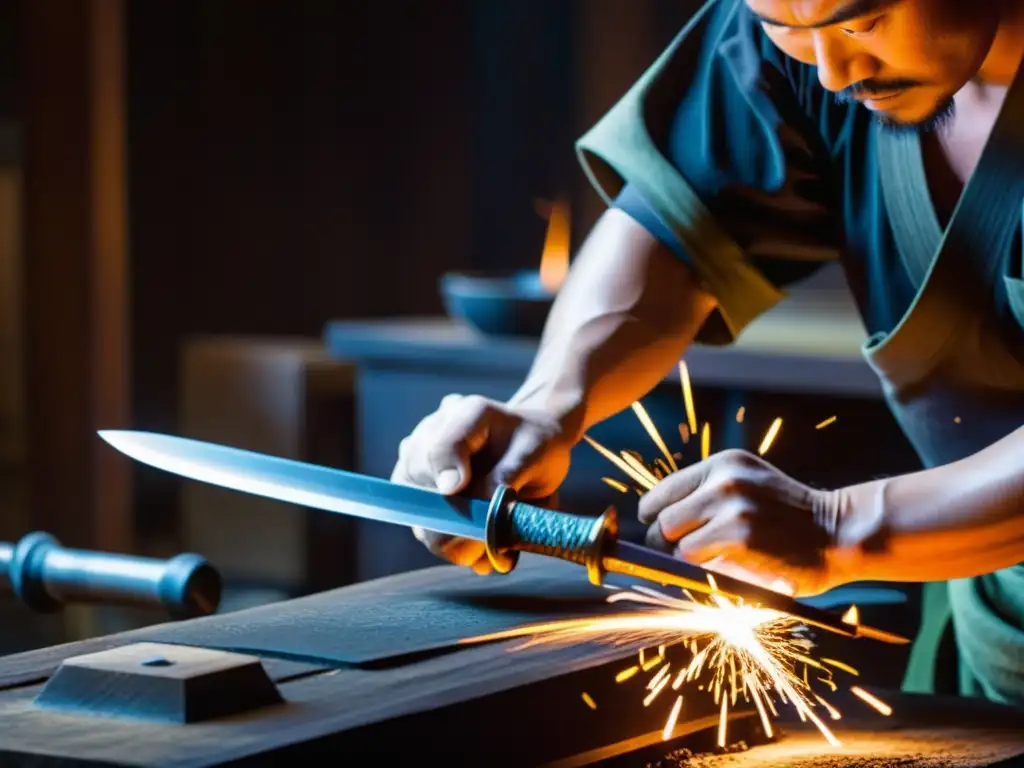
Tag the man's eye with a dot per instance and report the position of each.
(860, 29)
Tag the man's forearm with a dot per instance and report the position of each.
(955, 521)
(622, 320)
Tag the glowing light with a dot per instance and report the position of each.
(691, 413)
(769, 437)
(638, 466)
(673, 718)
(554, 260)
(840, 665)
(627, 673)
(588, 700)
(617, 485)
(739, 648)
(722, 723)
(873, 701)
(723, 648)
(740, 414)
(628, 470)
(645, 419)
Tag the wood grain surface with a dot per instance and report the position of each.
(497, 703)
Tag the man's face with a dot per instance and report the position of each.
(903, 59)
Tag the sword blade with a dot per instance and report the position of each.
(640, 562)
(307, 485)
(349, 493)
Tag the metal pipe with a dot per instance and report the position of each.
(45, 576)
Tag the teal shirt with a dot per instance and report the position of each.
(735, 157)
(783, 167)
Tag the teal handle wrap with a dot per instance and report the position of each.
(514, 526)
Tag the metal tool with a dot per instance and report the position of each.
(44, 575)
(506, 525)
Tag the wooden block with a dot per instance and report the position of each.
(285, 397)
(159, 682)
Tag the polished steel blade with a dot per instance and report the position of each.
(307, 485)
(348, 493)
(633, 560)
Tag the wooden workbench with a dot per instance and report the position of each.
(378, 673)
(371, 669)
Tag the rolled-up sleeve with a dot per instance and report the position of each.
(716, 151)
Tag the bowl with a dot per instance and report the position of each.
(498, 304)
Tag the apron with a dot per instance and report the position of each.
(953, 375)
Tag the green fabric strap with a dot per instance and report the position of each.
(915, 226)
(936, 614)
(620, 148)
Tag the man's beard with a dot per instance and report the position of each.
(935, 121)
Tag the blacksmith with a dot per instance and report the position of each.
(771, 137)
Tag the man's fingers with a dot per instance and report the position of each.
(520, 466)
(671, 489)
(436, 454)
(753, 571)
(412, 467)
(463, 433)
(723, 538)
(689, 513)
(466, 552)
(655, 539)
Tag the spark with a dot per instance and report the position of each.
(832, 711)
(638, 466)
(654, 693)
(840, 665)
(650, 664)
(626, 468)
(769, 437)
(589, 700)
(724, 648)
(616, 484)
(722, 722)
(691, 413)
(877, 703)
(645, 419)
(673, 718)
(656, 680)
(627, 673)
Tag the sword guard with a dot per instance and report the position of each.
(514, 526)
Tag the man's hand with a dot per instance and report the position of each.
(471, 444)
(738, 514)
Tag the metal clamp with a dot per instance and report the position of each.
(45, 576)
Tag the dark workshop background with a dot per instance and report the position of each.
(186, 170)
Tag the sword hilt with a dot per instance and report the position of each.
(514, 526)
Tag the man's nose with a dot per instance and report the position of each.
(838, 66)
